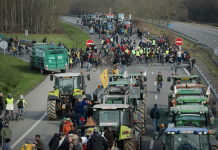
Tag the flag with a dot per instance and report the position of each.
(104, 78)
(125, 75)
(208, 90)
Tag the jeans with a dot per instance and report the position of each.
(155, 121)
(90, 66)
(179, 59)
(161, 84)
(123, 68)
(22, 111)
(80, 122)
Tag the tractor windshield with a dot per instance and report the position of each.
(113, 100)
(185, 81)
(66, 85)
(126, 22)
(187, 142)
(109, 118)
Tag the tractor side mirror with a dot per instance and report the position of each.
(145, 78)
(51, 77)
(168, 79)
(85, 110)
(88, 77)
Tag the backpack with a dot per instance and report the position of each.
(20, 103)
(76, 146)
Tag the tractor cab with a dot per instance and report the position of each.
(127, 24)
(182, 138)
(191, 115)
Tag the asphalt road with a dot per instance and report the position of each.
(205, 35)
(36, 121)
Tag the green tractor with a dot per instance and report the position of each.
(187, 138)
(67, 89)
(188, 91)
(122, 119)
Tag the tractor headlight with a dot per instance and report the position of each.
(171, 108)
(205, 132)
(172, 132)
(168, 132)
(199, 132)
(179, 112)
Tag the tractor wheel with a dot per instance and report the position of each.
(145, 109)
(143, 118)
(51, 109)
(162, 146)
(214, 147)
(31, 64)
(129, 144)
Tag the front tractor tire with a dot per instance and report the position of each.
(51, 110)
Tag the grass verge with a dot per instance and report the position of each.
(72, 36)
(16, 77)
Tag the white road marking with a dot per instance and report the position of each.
(28, 131)
(152, 72)
(155, 83)
(186, 71)
(151, 144)
(215, 40)
(207, 37)
(156, 97)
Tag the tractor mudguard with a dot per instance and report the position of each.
(77, 92)
(54, 93)
(125, 133)
(213, 140)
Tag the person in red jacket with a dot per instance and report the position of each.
(67, 126)
(107, 40)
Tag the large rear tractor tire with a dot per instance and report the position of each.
(51, 110)
(129, 143)
(138, 128)
(142, 118)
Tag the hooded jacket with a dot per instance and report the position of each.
(53, 144)
(96, 142)
(81, 107)
(6, 133)
(154, 113)
(6, 146)
(67, 127)
(75, 141)
(110, 138)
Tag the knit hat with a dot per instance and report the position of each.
(21, 96)
(70, 132)
(95, 129)
(68, 119)
(70, 135)
(75, 137)
(7, 140)
(64, 118)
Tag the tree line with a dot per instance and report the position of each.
(37, 16)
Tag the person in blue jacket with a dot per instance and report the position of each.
(80, 110)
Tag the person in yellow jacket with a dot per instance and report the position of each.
(77, 54)
(114, 71)
(21, 103)
(9, 101)
(13, 50)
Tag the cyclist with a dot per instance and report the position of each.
(77, 20)
(10, 101)
(21, 103)
(159, 80)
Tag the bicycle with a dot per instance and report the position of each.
(8, 113)
(18, 114)
(159, 87)
(93, 68)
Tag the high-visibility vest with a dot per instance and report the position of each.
(138, 47)
(71, 61)
(68, 53)
(144, 50)
(133, 51)
(13, 48)
(106, 49)
(102, 42)
(107, 32)
(137, 53)
(167, 52)
(153, 42)
(77, 18)
(141, 51)
(126, 51)
(10, 101)
(157, 51)
(112, 39)
(147, 54)
(23, 102)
